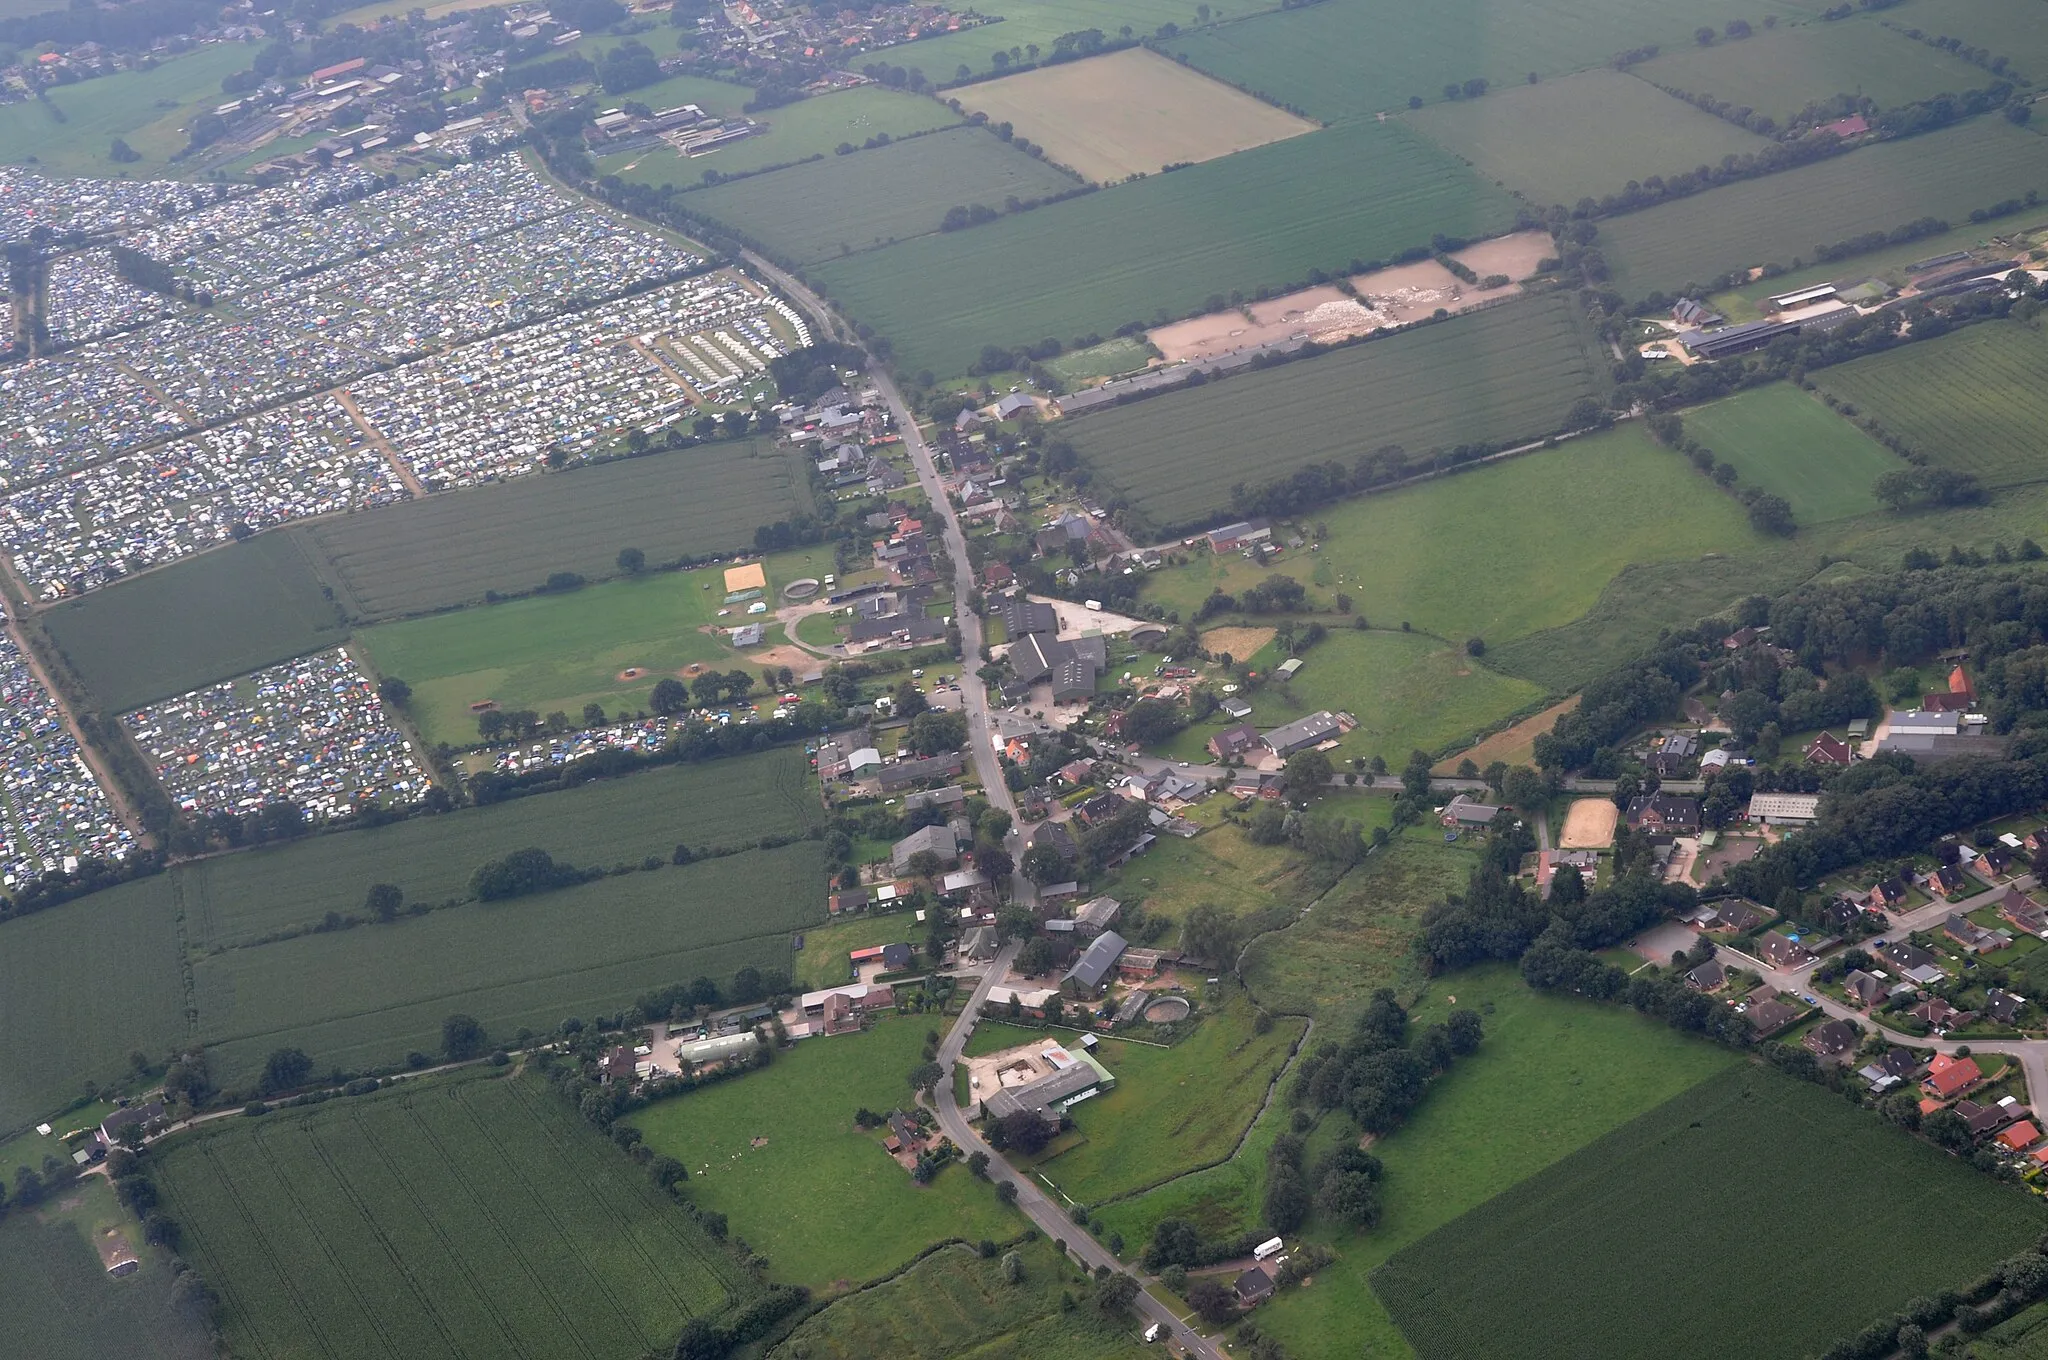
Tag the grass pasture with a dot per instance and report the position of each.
(1572, 1262)
(1505, 373)
(809, 127)
(822, 1200)
(220, 614)
(1773, 220)
(878, 197)
(450, 549)
(1789, 443)
(1781, 71)
(1165, 245)
(430, 1219)
(1975, 401)
(1129, 113)
(147, 109)
(1040, 22)
(1585, 135)
(1988, 24)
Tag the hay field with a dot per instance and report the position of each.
(1787, 442)
(1162, 246)
(1976, 401)
(1129, 113)
(1584, 136)
(878, 197)
(1780, 72)
(1507, 373)
(435, 1218)
(1779, 220)
(451, 548)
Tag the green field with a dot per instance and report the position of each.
(449, 549)
(1775, 220)
(1975, 401)
(2024, 1337)
(147, 109)
(809, 127)
(953, 1303)
(1125, 354)
(1163, 246)
(1041, 21)
(1779, 73)
(435, 1219)
(1573, 1262)
(1789, 443)
(1998, 25)
(1347, 59)
(1509, 373)
(877, 197)
(560, 652)
(62, 1304)
(1584, 136)
(1222, 868)
(1498, 552)
(220, 614)
(822, 1200)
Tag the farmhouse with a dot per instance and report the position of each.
(900, 775)
(1233, 742)
(1075, 1077)
(937, 839)
(141, 1117)
(1091, 972)
(1302, 733)
(1467, 812)
(1237, 537)
(1665, 813)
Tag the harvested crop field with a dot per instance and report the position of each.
(430, 1219)
(452, 548)
(1585, 135)
(1975, 401)
(1513, 745)
(1241, 643)
(1511, 372)
(1589, 825)
(1787, 442)
(1164, 246)
(1132, 112)
(1534, 1272)
(1778, 219)
(878, 197)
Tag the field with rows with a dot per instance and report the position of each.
(1787, 442)
(809, 127)
(1585, 135)
(1573, 1261)
(1779, 73)
(1347, 59)
(1775, 220)
(435, 1219)
(450, 549)
(1163, 246)
(878, 197)
(72, 133)
(1999, 26)
(206, 618)
(1975, 401)
(1507, 373)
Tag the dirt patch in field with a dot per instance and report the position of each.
(1590, 825)
(1239, 642)
(630, 674)
(796, 658)
(1514, 745)
(1516, 255)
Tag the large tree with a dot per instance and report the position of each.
(462, 1038)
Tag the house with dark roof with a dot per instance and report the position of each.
(937, 839)
(2003, 1006)
(1768, 1017)
(1828, 749)
(1833, 1039)
(1972, 936)
(1948, 880)
(1023, 617)
(1096, 915)
(1234, 743)
(1940, 1015)
(1738, 915)
(1781, 951)
(1302, 733)
(1982, 1119)
(1708, 977)
(1467, 813)
(1865, 989)
(1905, 955)
(1044, 1096)
(901, 774)
(1664, 813)
(142, 1117)
(1253, 1287)
(1091, 972)
(1101, 808)
(1056, 835)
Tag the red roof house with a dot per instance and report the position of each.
(1948, 1077)
(2019, 1137)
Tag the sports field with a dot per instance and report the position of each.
(877, 197)
(450, 549)
(1776, 220)
(206, 618)
(1346, 59)
(1162, 246)
(1583, 136)
(1975, 401)
(72, 133)
(1572, 1262)
(560, 652)
(436, 1218)
(1132, 112)
(1498, 552)
(777, 1152)
(1780, 72)
(809, 127)
(1789, 443)
(1506, 374)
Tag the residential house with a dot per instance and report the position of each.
(1782, 952)
(1888, 893)
(1948, 1076)
(1101, 808)
(2003, 1006)
(1055, 835)
(1833, 1039)
(142, 1117)
(1972, 936)
(1948, 880)
(1675, 755)
(1738, 916)
(1305, 732)
(1768, 1017)
(1865, 989)
(980, 944)
(2019, 1137)
(841, 902)
(1234, 743)
(1982, 1119)
(900, 775)
(997, 576)
(1237, 537)
(1841, 914)
(1253, 1287)
(951, 796)
(1906, 955)
(1708, 977)
(1664, 813)
(1894, 1067)
(1091, 972)
(1828, 749)
(1940, 1015)
(1466, 813)
(937, 839)
(1076, 772)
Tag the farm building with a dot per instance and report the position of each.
(1803, 297)
(1091, 972)
(1289, 668)
(1238, 536)
(719, 1049)
(1723, 342)
(141, 1116)
(1784, 809)
(1303, 732)
(937, 839)
(1074, 1078)
(1097, 915)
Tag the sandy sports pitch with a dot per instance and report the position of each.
(1590, 825)
(1131, 112)
(752, 576)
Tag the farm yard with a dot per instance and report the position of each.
(1158, 248)
(1790, 444)
(1128, 113)
(436, 1217)
(1942, 174)
(1975, 401)
(878, 197)
(1508, 373)
(796, 132)
(1533, 1272)
(1582, 136)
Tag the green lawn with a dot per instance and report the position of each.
(821, 1199)
(1788, 442)
(823, 960)
(809, 127)
(1125, 354)
(148, 109)
(1220, 868)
